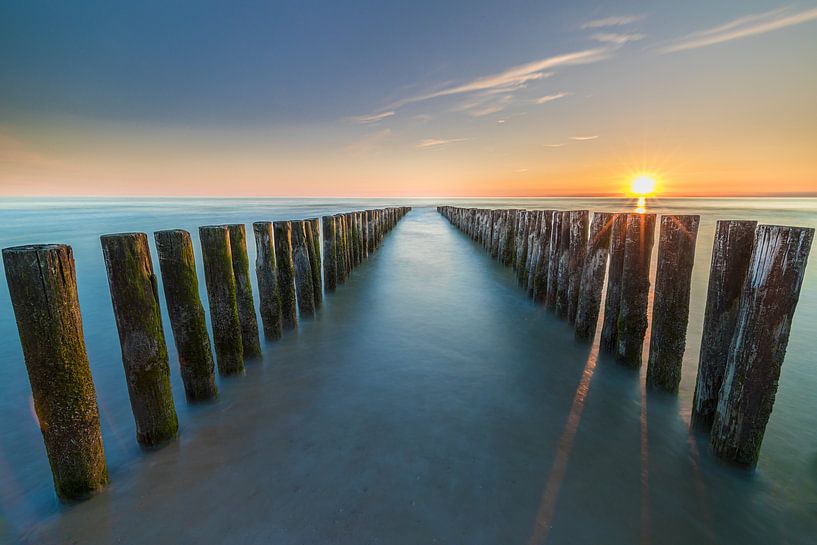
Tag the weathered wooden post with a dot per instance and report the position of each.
(303, 269)
(243, 292)
(767, 305)
(615, 270)
(43, 287)
(563, 263)
(554, 254)
(286, 274)
(135, 296)
(220, 281)
(497, 217)
(507, 248)
(313, 235)
(731, 251)
(370, 231)
(542, 275)
(181, 287)
(576, 248)
(330, 270)
(364, 227)
(592, 283)
(521, 250)
(635, 288)
(267, 275)
(670, 311)
(361, 248)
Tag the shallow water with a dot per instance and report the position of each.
(428, 401)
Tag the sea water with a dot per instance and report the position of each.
(429, 401)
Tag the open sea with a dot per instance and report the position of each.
(429, 401)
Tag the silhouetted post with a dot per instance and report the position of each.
(243, 292)
(542, 274)
(575, 264)
(592, 284)
(330, 270)
(135, 296)
(286, 274)
(181, 287)
(767, 306)
(563, 263)
(670, 311)
(313, 235)
(635, 288)
(554, 254)
(303, 269)
(220, 281)
(731, 251)
(267, 275)
(612, 302)
(43, 287)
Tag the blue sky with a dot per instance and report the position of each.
(518, 97)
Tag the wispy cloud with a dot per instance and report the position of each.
(552, 145)
(613, 21)
(367, 144)
(582, 138)
(371, 118)
(485, 105)
(616, 38)
(513, 78)
(432, 143)
(742, 27)
(550, 98)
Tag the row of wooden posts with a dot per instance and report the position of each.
(42, 283)
(561, 259)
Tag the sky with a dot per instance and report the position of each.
(437, 98)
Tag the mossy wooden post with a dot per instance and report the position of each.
(344, 245)
(731, 251)
(329, 259)
(496, 231)
(635, 288)
(181, 287)
(220, 281)
(563, 264)
(579, 220)
(532, 258)
(542, 274)
(243, 291)
(521, 250)
(313, 235)
(615, 269)
(364, 227)
(369, 231)
(767, 305)
(135, 295)
(554, 253)
(286, 274)
(508, 237)
(361, 241)
(267, 275)
(592, 282)
(670, 310)
(43, 287)
(303, 269)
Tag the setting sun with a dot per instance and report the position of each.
(643, 185)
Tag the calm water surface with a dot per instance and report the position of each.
(429, 401)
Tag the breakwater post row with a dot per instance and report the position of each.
(754, 284)
(43, 288)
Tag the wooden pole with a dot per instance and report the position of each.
(364, 227)
(592, 281)
(243, 292)
(286, 274)
(563, 263)
(135, 296)
(303, 269)
(181, 286)
(521, 251)
(767, 305)
(575, 264)
(43, 287)
(313, 235)
(542, 275)
(267, 275)
(330, 270)
(635, 288)
(554, 254)
(670, 311)
(220, 281)
(612, 302)
(507, 248)
(731, 252)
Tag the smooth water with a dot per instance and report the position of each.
(428, 402)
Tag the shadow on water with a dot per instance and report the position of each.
(428, 401)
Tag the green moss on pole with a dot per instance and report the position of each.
(579, 220)
(181, 287)
(221, 294)
(303, 269)
(243, 292)
(43, 288)
(313, 235)
(286, 274)
(612, 302)
(134, 292)
(267, 276)
(592, 280)
(330, 270)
